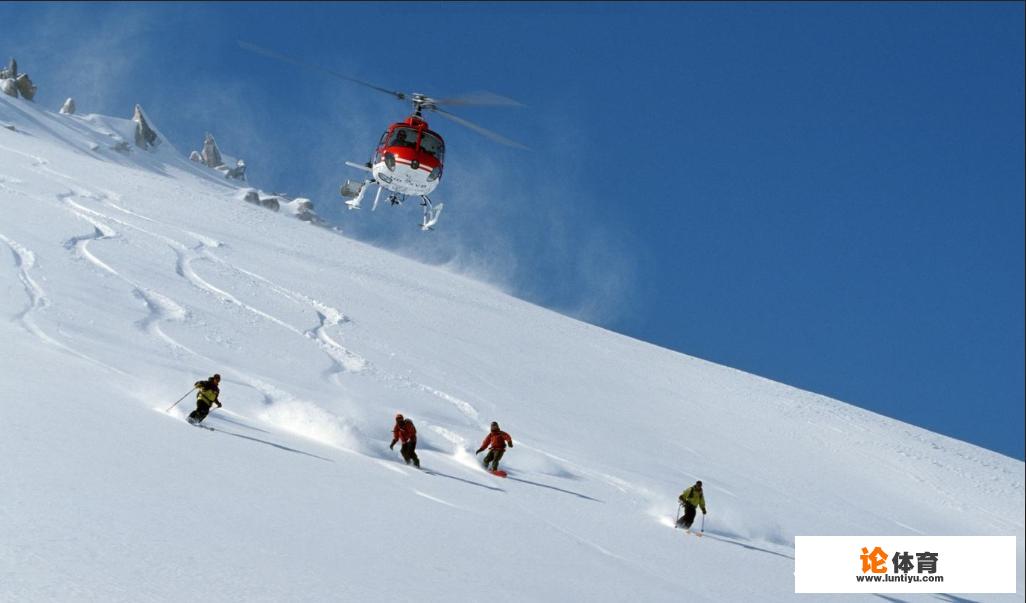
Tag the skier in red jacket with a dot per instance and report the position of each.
(496, 441)
(405, 431)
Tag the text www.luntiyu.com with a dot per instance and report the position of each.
(899, 578)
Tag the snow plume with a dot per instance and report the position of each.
(94, 62)
(308, 420)
(222, 108)
(591, 273)
(589, 261)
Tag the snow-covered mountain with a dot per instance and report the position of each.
(127, 276)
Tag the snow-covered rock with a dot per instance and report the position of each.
(13, 83)
(302, 209)
(25, 86)
(11, 71)
(235, 173)
(211, 155)
(145, 136)
(8, 87)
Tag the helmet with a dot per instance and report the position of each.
(495, 426)
(216, 377)
(399, 417)
(699, 483)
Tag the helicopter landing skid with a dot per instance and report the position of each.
(431, 213)
(353, 192)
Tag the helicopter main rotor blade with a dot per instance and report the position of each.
(482, 131)
(281, 57)
(479, 99)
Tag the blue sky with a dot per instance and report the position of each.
(828, 195)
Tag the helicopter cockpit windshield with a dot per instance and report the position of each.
(431, 144)
(404, 137)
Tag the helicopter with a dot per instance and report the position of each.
(409, 159)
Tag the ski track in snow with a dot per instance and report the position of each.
(80, 244)
(205, 240)
(328, 317)
(25, 261)
(186, 256)
(463, 406)
(438, 500)
(908, 527)
(162, 309)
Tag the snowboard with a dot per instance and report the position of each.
(497, 472)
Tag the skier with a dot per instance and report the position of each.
(691, 498)
(496, 440)
(405, 431)
(206, 397)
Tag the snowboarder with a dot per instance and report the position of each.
(405, 431)
(206, 397)
(496, 441)
(691, 498)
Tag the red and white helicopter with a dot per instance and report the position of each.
(409, 158)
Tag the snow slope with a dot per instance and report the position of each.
(124, 278)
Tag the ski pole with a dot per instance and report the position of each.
(702, 531)
(676, 524)
(180, 399)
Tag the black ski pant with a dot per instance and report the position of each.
(409, 452)
(201, 412)
(689, 516)
(493, 457)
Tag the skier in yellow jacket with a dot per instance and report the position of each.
(691, 498)
(206, 398)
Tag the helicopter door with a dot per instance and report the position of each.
(432, 145)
